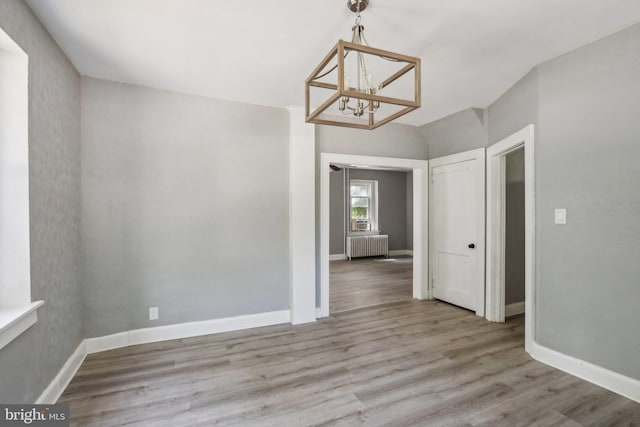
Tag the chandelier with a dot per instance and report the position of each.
(357, 98)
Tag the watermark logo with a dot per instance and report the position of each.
(34, 415)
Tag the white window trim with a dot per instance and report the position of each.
(14, 322)
(373, 217)
(17, 311)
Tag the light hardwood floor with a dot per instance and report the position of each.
(409, 363)
(363, 282)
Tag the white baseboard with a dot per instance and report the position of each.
(54, 390)
(401, 252)
(617, 383)
(147, 335)
(514, 309)
(186, 330)
(107, 342)
(397, 252)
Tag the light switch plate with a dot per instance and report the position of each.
(561, 216)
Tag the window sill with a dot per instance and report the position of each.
(14, 321)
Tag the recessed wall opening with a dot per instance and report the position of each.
(371, 223)
(410, 233)
(514, 264)
(509, 162)
(15, 286)
(17, 311)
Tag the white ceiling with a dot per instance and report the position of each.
(260, 52)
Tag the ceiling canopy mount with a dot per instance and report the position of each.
(356, 6)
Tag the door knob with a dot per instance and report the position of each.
(472, 246)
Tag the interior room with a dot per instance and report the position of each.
(249, 213)
(371, 227)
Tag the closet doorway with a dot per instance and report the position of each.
(496, 308)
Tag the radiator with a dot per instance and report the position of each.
(374, 245)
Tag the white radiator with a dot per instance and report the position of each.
(374, 245)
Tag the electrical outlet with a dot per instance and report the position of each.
(154, 314)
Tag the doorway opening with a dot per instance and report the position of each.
(514, 233)
(419, 229)
(500, 226)
(371, 241)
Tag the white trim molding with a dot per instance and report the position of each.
(302, 200)
(514, 309)
(14, 322)
(396, 252)
(495, 254)
(156, 334)
(57, 386)
(613, 381)
(401, 252)
(17, 310)
(496, 309)
(420, 216)
(186, 330)
(610, 380)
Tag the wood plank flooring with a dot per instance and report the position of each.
(363, 282)
(409, 363)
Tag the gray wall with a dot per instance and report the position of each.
(584, 105)
(163, 227)
(185, 207)
(336, 212)
(391, 140)
(514, 227)
(587, 154)
(30, 362)
(456, 133)
(515, 109)
(392, 206)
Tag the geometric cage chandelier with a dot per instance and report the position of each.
(344, 91)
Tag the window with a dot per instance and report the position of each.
(363, 205)
(17, 311)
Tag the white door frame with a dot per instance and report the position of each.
(420, 217)
(480, 244)
(496, 195)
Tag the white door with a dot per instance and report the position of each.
(457, 206)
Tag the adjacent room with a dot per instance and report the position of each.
(371, 223)
(250, 213)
